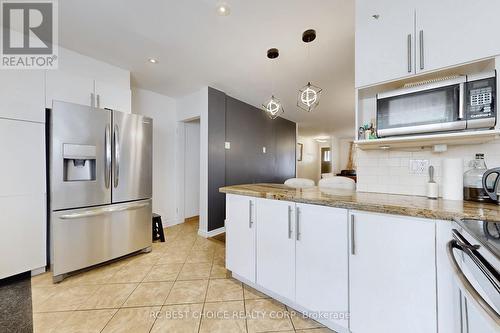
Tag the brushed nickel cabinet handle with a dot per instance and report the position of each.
(353, 248)
(289, 222)
(409, 53)
(421, 42)
(250, 214)
(297, 223)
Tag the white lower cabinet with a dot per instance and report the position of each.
(353, 271)
(322, 262)
(240, 236)
(23, 230)
(276, 246)
(392, 274)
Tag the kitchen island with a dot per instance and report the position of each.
(414, 206)
(356, 262)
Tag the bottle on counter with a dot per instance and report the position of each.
(473, 181)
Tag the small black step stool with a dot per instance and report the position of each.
(158, 228)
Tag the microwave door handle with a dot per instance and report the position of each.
(461, 101)
(467, 287)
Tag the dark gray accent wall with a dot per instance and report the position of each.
(216, 158)
(248, 129)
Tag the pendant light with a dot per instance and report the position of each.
(273, 106)
(309, 95)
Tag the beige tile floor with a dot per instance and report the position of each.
(181, 286)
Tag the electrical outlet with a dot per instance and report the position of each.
(264, 150)
(227, 145)
(419, 167)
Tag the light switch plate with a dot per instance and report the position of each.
(227, 145)
(419, 167)
(263, 150)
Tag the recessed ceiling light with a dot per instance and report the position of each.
(223, 9)
(153, 60)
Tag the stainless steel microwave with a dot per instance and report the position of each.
(457, 104)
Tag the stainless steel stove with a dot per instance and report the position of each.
(474, 254)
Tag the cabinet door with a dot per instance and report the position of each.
(392, 274)
(276, 247)
(385, 41)
(112, 97)
(240, 236)
(322, 261)
(23, 231)
(448, 37)
(22, 94)
(68, 87)
(22, 170)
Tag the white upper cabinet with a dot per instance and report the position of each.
(240, 239)
(392, 272)
(322, 261)
(22, 95)
(400, 38)
(452, 32)
(276, 246)
(385, 40)
(113, 97)
(68, 87)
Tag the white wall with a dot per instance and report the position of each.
(188, 108)
(309, 167)
(388, 171)
(162, 109)
(344, 148)
(192, 169)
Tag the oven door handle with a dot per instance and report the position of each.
(467, 287)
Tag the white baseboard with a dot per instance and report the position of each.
(212, 233)
(172, 222)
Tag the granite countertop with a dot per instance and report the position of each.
(374, 202)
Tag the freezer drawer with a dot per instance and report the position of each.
(85, 237)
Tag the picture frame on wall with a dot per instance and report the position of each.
(300, 148)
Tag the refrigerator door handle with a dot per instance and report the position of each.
(116, 169)
(103, 211)
(107, 167)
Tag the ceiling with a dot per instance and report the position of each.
(195, 47)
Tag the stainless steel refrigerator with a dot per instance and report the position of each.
(100, 185)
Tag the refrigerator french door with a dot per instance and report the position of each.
(100, 164)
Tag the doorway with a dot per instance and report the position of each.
(192, 170)
(326, 160)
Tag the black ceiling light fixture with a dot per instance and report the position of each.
(309, 95)
(273, 106)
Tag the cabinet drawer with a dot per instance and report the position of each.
(22, 94)
(22, 167)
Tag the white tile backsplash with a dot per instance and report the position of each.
(389, 171)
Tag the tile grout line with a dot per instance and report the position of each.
(206, 295)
